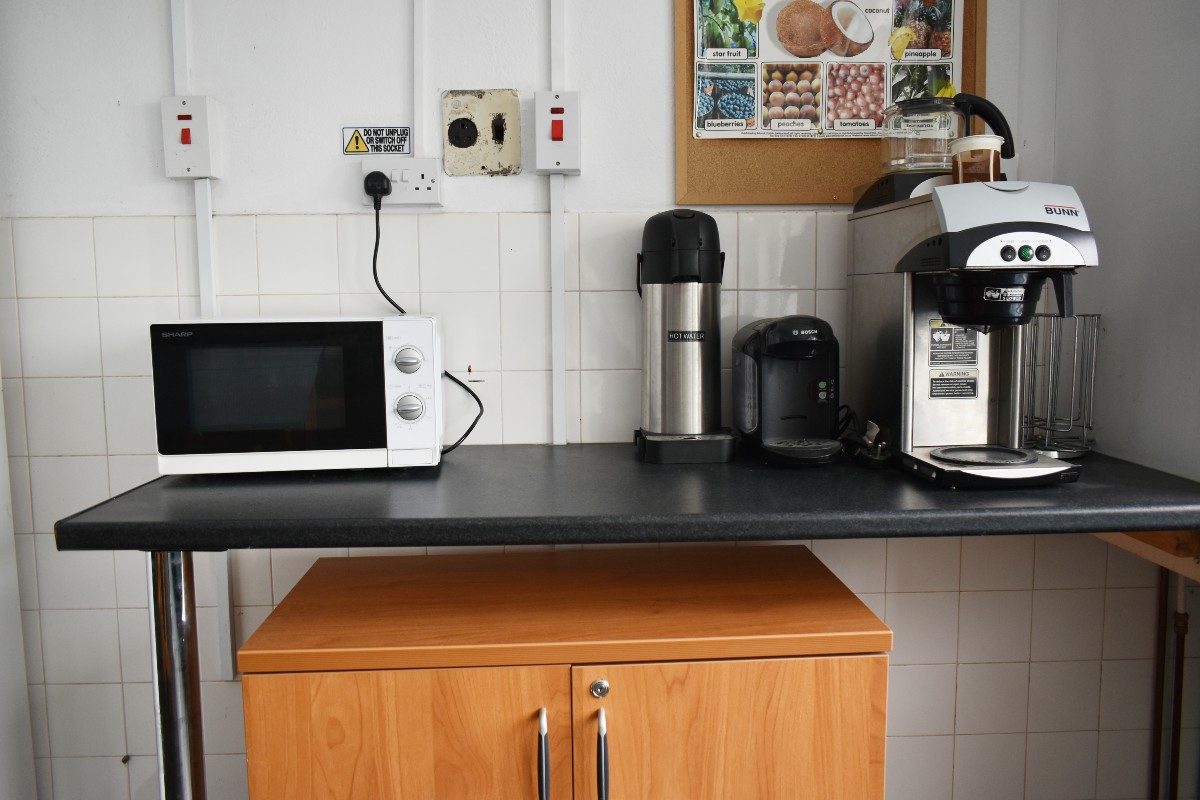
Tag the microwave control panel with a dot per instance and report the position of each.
(412, 368)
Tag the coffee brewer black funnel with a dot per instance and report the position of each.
(986, 299)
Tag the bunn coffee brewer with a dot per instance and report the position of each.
(679, 279)
(785, 390)
(941, 289)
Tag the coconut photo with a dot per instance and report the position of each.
(846, 30)
(811, 29)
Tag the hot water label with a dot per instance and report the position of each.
(958, 384)
(951, 344)
(685, 336)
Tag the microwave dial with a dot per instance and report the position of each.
(410, 407)
(408, 360)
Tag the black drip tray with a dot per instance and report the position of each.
(803, 449)
(983, 455)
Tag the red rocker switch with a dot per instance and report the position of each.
(185, 136)
(556, 130)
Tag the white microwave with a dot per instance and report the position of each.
(297, 394)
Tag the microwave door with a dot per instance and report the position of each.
(225, 388)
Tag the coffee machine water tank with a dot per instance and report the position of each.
(679, 279)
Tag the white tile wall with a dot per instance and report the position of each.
(1021, 667)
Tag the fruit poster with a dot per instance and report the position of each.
(819, 68)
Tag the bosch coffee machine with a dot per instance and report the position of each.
(941, 289)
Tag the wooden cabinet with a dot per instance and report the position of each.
(747, 673)
(406, 734)
(778, 729)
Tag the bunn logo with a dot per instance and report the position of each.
(170, 334)
(685, 336)
(1057, 210)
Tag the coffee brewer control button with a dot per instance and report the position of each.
(408, 360)
(1043, 253)
(1008, 252)
(410, 407)
(1025, 253)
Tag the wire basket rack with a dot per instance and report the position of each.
(1059, 384)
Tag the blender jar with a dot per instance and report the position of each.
(917, 134)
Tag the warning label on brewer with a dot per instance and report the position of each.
(364, 141)
(953, 383)
(950, 344)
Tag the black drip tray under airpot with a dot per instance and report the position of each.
(983, 455)
(813, 451)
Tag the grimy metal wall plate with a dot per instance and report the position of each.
(481, 131)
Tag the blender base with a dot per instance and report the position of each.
(672, 448)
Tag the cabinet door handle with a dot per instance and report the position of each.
(602, 758)
(543, 757)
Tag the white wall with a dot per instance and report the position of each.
(82, 81)
(1127, 111)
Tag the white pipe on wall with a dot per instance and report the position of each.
(558, 246)
(207, 283)
(420, 137)
(16, 734)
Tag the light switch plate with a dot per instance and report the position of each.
(481, 132)
(557, 111)
(415, 181)
(188, 124)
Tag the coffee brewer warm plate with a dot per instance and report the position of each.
(941, 289)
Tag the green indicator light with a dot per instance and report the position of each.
(822, 384)
(1025, 253)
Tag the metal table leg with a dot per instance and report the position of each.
(176, 676)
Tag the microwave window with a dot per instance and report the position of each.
(268, 388)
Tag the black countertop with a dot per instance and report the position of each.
(537, 494)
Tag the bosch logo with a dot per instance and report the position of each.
(1065, 211)
(805, 332)
(174, 334)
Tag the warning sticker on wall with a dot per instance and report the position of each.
(365, 141)
(950, 344)
(953, 383)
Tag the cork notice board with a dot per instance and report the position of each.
(784, 171)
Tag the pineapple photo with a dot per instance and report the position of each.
(922, 25)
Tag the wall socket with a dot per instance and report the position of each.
(415, 181)
(481, 131)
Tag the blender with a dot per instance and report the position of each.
(918, 137)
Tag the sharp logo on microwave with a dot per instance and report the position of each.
(173, 334)
(1065, 211)
(685, 336)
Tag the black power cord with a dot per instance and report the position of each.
(379, 186)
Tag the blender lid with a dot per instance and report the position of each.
(925, 105)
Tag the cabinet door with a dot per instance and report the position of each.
(781, 729)
(451, 734)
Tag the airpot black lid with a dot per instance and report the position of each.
(678, 246)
